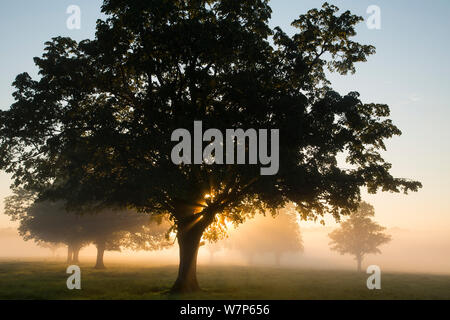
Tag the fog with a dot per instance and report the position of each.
(415, 251)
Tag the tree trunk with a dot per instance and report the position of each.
(359, 261)
(100, 253)
(76, 252)
(189, 236)
(69, 254)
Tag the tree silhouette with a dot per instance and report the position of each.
(359, 235)
(95, 129)
(49, 223)
(114, 230)
(45, 223)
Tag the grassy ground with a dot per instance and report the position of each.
(47, 280)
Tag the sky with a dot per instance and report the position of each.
(410, 73)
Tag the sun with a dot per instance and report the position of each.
(228, 223)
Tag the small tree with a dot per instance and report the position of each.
(359, 235)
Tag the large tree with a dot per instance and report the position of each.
(359, 235)
(95, 128)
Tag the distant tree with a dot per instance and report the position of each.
(53, 247)
(45, 223)
(287, 234)
(213, 248)
(114, 230)
(359, 235)
(277, 235)
(109, 230)
(100, 117)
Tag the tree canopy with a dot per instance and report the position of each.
(359, 235)
(95, 128)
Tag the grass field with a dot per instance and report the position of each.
(47, 280)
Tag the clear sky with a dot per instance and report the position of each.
(410, 72)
